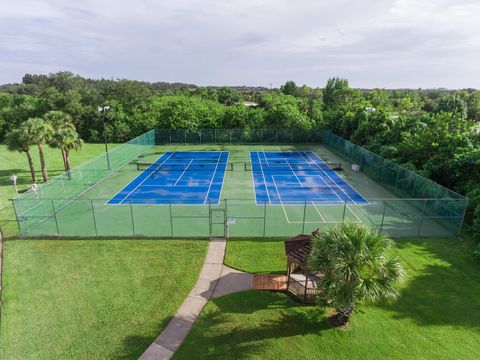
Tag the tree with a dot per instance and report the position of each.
(228, 96)
(453, 104)
(290, 88)
(357, 265)
(41, 133)
(65, 136)
(20, 140)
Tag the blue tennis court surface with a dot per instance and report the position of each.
(177, 178)
(296, 177)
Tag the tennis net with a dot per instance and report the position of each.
(278, 166)
(174, 167)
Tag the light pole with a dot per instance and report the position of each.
(14, 180)
(103, 110)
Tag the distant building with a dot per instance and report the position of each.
(251, 104)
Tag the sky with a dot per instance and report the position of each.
(373, 43)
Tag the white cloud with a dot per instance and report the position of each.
(383, 43)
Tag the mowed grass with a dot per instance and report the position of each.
(92, 299)
(15, 163)
(436, 317)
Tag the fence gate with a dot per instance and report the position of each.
(218, 221)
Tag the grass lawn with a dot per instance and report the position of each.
(436, 317)
(92, 299)
(15, 163)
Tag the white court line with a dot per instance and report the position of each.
(318, 211)
(265, 157)
(338, 187)
(181, 175)
(294, 173)
(224, 174)
(339, 198)
(136, 187)
(264, 179)
(213, 177)
(280, 198)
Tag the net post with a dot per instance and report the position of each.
(304, 213)
(344, 209)
(171, 218)
(94, 220)
(132, 218)
(55, 216)
(383, 215)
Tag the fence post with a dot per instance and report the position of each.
(264, 219)
(55, 216)
(185, 136)
(16, 215)
(304, 213)
(422, 217)
(214, 136)
(225, 220)
(209, 219)
(344, 209)
(131, 216)
(383, 215)
(171, 218)
(94, 220)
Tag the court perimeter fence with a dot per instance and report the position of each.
(423, 208)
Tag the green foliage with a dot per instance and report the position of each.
(453, 104)
(290, 88)
(356, 265)
(228, 96)
(476, 254)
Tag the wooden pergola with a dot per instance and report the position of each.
(301, 282)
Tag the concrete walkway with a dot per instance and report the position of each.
(214, 280)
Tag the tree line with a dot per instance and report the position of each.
(433, 132)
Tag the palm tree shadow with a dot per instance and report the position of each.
(442, 292)
(278, 317)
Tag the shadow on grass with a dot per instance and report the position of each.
(443, 285)
(240, 323)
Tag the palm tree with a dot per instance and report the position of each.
(20, 140)
(356, 264)
(66, 139)
(41, 133)
(65, 136)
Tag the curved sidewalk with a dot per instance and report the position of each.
(214, 280)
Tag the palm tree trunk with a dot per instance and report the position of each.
(64, 157)
(42, 163)
(32, 168)
(67, 160)
(342, 316)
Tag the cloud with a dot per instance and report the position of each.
(386, 43)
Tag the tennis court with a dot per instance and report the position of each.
(298, 177)
(234, 183)
(177, 178)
